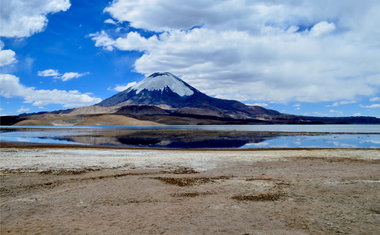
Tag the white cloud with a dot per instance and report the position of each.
(335, 104)
(124, 87)
(48, 73)
(372, 106)
(7, 57)
(22, 18)
(335, 111)
(70, 75)
(320, 114)
(374, 99)
(259, 104)
(347, 102)
(10, 86)
(23, 110)
(322, 28)
(357, 114)
(110, 21)
(343, 102)
(103, 40)
(256, 50)
(64, 77)
(252, 16)
(297, 106)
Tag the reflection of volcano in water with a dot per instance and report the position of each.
(172, 139)
(209, 144)
(206, 143)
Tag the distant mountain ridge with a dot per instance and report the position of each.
(163, 98)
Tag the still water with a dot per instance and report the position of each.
(207, 136)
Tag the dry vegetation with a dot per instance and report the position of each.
(182, 171)
(259, 178)
(258, 197)
(191, 194)
(189, 181)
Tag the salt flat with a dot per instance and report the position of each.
(38, 159)
(97, 191)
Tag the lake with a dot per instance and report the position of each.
(207, 136)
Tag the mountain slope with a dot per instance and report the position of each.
(167, 90)
(157, 89)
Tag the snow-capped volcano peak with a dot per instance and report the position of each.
(160, 81)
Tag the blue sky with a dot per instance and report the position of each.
(300, 57)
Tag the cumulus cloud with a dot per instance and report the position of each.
(276, 51)
(56, 75)
(22, 18)
(103, 40)
(335, 111)
(124, 87)
(347, 102)
(374, 99)
(371, 106)
(48, 73)
(70, 75)
(232, 64)
(110, 21)
(343, 102)
(23, 110)
(10, 86)
(7, 57)
(322, 28)
(297, 106)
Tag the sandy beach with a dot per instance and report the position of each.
(62, 190)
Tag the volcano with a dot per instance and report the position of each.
(163, 98)
(170, 92)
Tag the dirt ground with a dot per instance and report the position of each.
(294, 194)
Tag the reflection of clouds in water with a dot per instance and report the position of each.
(94, 136)
(312, 141)
(19, 139)
(348, 146)
(344, 145)
(164, 142)
(255, 145)
(298, 141)
(280, 146)
(43, 140)
(373, 141)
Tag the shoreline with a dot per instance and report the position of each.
(170, 129)
(30, 145)
(36, 159)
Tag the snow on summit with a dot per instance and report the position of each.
(159, 81)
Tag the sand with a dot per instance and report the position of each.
(112, 119)
(120, 191)
(83, 119)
